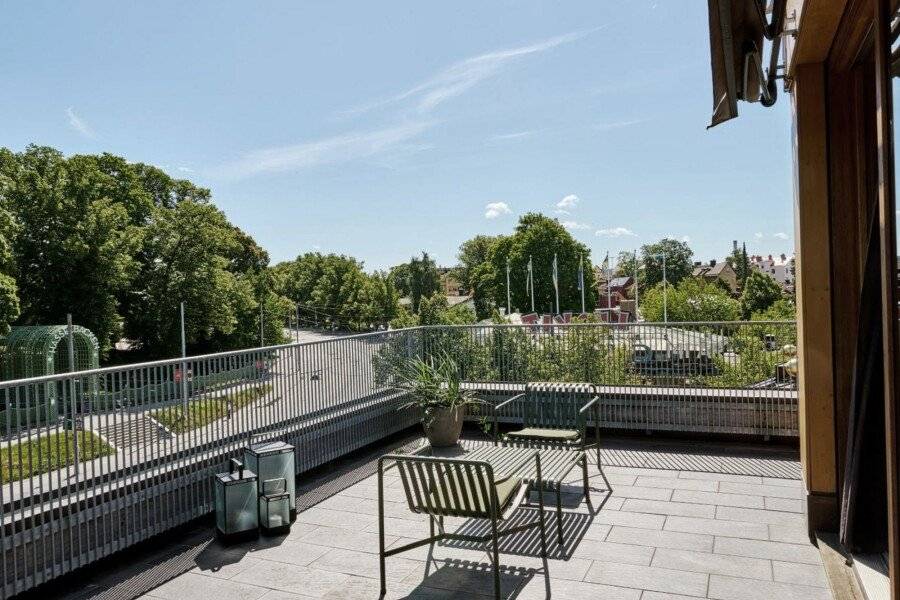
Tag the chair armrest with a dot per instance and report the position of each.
(505, 402)
(590, 403)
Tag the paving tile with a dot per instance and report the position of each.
(720, 477)
(295, 553)
(227, 570)
(363, 588)
(351, 562)
(648, 493)
(772, 550)
(597, 531)
(665, 596)
(471, 578)
(640, 472)
(335, 518)
(648, 578)
(722, 587)
(757, 515)
(292, 578)
(661, 539)
(792, 533)
(775, 491)
(795, 483)
(717, 499)
(659, 507)
(674, 483)
(813, 575)
(738, 529)
(201, 587)
(718, 564)
(338, 537)
(536, 589)
(613, 552)
(784, 504)
(629, 519)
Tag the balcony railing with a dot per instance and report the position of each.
(96, 461)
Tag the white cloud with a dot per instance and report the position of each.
(185, 169)
(496, 209)
(758, 235)
(335, 149)
(79, 124)
(505, 137)
(570, 201)
(619, 124)
(615, 232)
(575, 225)
(562, 211)
(465, 74)
(780, 235)
(686, 239)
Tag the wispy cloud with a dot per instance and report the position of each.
(79, 124)
(758, 235)
(496, 209)
(335, 149)
(780, 235)
(562, 211)
(505, 137)
(573, 225)
(686, 239)
(618, 124)
(462, 76)
(616, 232)
(568, 202)
(185, 169)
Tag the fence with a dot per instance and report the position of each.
(121, 454)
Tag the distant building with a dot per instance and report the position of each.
(780, 268)
(717, 271)
(620, 289)
(450, 284)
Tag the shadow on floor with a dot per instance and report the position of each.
(471, 579)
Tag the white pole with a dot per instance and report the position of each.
(531, 281)
(508, 311)
(72, 403)
(665, 293)
(581, 281)
(556, 281)
(262, 337)
(608, 286)
(635, 286)
(184, 386)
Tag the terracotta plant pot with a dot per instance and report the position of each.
(445, 427)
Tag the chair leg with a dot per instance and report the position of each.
(494, 539)
(584, 470)
(559, 519)
(543, 527)
(381, 532)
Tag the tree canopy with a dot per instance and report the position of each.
(539, 238)
(691, 300)
(476, 274)
(760, 292)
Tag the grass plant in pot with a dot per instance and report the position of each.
(435, 387)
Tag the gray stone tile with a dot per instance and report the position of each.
(648, 493)
(227, 570)
(775, 491)
(660, 507)
(661, 539)
(292, 578)
(612, 552)
(629, 519)
(295, 553)
(720, 477)
(597, 531)
(675, 483)
(201, 587)
(665, 596)
(757, 515)
(717, 499)
(738, 529)
(640, 472)
(813, 575)
(351, 562)
(338, 537)
(648, 578)
(791, 533)
(575, 590)
(467, 578)
(718, 564)
(324, 517)
(784, 504)
(795, 483)
(771, 550)
(733, 588)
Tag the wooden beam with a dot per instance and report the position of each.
(814, 306)
(817, 22)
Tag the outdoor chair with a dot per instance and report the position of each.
(455, 487)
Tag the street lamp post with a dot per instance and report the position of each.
(665, 288)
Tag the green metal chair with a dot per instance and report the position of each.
(453, 487)
(554, 414)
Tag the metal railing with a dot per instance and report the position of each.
(95, 461)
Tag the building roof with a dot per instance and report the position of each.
(620, 282)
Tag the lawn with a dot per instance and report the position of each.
(204, 412)
(51, 452)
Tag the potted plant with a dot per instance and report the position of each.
(435, 387)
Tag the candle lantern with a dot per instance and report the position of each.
(274, 507)
(274, 460)
(237, 518)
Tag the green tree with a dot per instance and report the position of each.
(678, 262)
(782, 309)
(760, 292)
(740, 262)
(539, 237)
(690, 300)
(424, 279)
(383, 299)
(475, 272)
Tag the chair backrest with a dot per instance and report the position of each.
(447, 487)
(555, 405)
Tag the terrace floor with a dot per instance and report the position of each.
(682, 521)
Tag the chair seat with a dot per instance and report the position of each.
(506, 489)
(537, 433)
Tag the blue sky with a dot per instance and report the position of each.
(381, 129)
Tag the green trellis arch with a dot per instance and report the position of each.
(35, 350)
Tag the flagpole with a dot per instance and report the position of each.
(508, 312)
(608, 286)
(635, 286)
(581, 280)
(556, 281)
(531, 281)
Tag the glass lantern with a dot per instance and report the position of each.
(274, 460)
(274, 507)
(237, 518)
